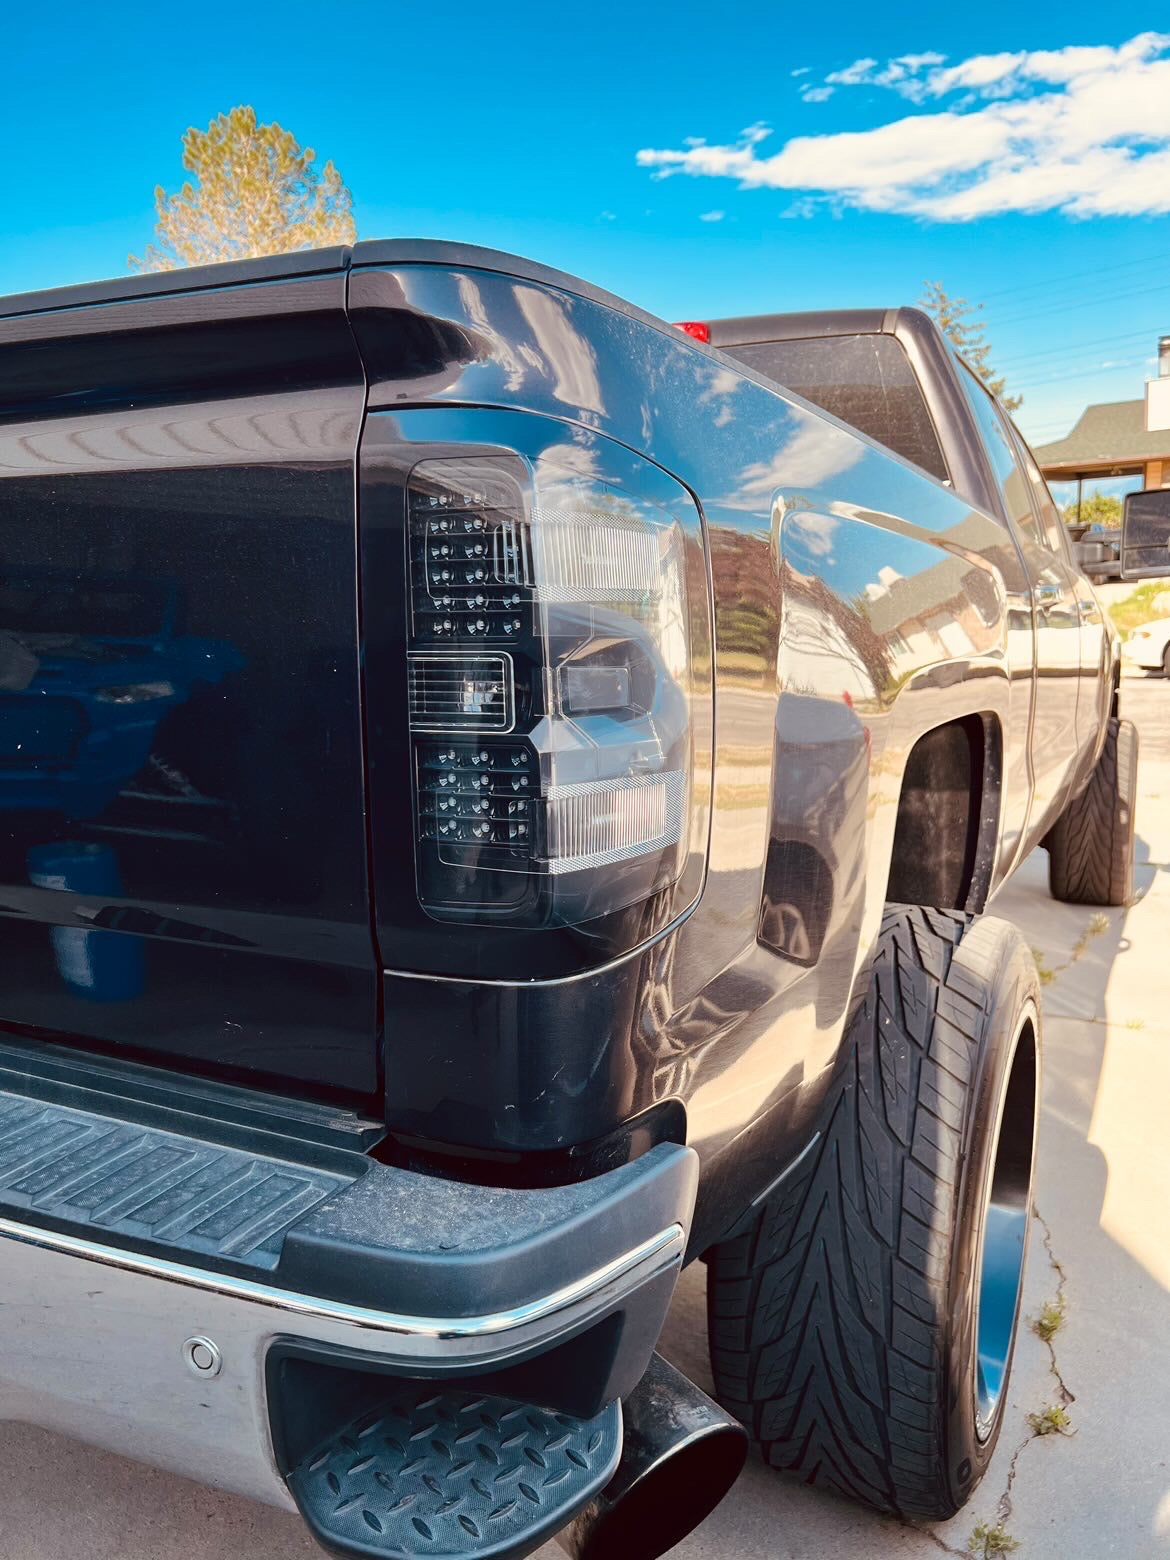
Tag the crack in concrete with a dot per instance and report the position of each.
(1003, 1510)
(1067, 1397)
(939, 1543)
(1003, 1507)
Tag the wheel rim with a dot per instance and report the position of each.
(1006, 1209)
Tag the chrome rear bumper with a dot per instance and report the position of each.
(103, 1340)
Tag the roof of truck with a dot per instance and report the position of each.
(743, 329)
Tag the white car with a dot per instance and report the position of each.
(1149, 646)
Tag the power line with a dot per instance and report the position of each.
(1097, 270)
(1072, 347)
(1066, 308)
(1087, 371)
(1055, 427)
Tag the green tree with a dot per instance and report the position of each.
(1096, 509)
(955, 318)
(253, 191)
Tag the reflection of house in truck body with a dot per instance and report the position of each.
(942, 613)
(1118, 438)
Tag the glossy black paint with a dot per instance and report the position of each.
(857, 605)
(802, 516)
(195, 448)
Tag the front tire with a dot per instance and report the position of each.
(1091, 845)
(863, 1326)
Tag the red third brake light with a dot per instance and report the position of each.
(695, 328)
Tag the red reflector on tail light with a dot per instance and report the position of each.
(695, 328)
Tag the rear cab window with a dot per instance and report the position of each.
(865, 380)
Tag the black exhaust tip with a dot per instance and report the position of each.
(681, 1455)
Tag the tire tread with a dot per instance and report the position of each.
(1091, 845)
(826, 1318)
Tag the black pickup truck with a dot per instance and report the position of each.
(499, 802)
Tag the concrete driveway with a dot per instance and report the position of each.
(1101, 1243)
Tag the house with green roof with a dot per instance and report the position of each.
(1118, 438)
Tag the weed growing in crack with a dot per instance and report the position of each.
(1135, 1023)
(1052, 1420)
(1097, 927)
(986, 1542)
(1050, 1320)
(1045, 971)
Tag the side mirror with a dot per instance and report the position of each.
(1145, 535)
(1091, 555)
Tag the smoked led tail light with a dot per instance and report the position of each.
(550, 687)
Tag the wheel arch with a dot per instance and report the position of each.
(949, 795)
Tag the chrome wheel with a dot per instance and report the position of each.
(1007, 1207)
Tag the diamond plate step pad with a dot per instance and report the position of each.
(116, 1179)
(453, 1474)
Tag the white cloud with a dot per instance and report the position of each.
(816, 94)
(712, 216)
(853, 74)
(1085, 131)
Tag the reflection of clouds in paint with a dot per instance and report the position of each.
(569, 355)
(502, 349)
(816, 531)
(815, 453)
(578, 455)
(721, 386)
(723, 382)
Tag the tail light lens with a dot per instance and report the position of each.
(552, 686)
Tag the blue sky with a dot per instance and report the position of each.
(1021, 154)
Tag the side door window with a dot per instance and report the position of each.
(1090, 625)
(1004, 458)
(1054, 608)
(1050, 521)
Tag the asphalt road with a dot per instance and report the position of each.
(1103, 1243)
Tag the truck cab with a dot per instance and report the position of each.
(892, 374)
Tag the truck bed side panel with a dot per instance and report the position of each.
(803, 515)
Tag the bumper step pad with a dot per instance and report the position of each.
(453, 1474)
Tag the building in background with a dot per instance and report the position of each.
(1158, 395)
(1127, 440)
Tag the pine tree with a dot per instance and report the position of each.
(254, 192)
(954, 317)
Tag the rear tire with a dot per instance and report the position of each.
(1166, 661)
(1091, 845)
(848, 1324)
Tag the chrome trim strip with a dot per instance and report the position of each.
(655, 1254)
